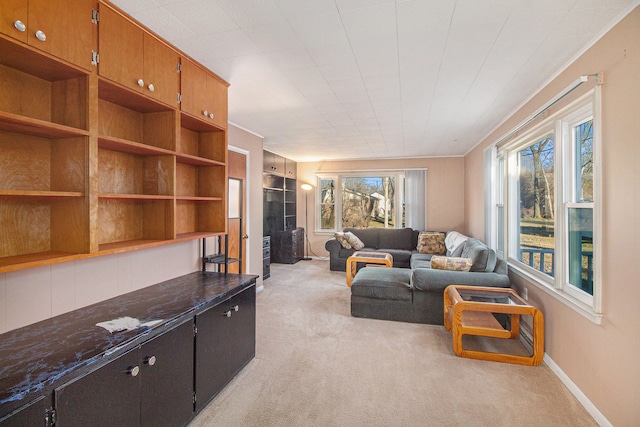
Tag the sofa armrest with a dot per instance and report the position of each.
(431, 280)
(332, 245)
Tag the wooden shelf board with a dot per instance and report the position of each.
(19, 262)
(118, 144)
(129, 245)
(114, 93)
(198, 235)
(35, 62)
(16, 123)
(133, 197)
(197, 199)
(19, 194)
(196, 161)
(197, 124)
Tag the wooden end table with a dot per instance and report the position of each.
(382, 258)
(468, 310)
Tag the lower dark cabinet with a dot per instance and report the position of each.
(225, 343)
(151, 385)
(32, 414)
(287, 247)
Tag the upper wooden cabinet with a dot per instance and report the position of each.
(63, 28)
(136, 59)
(203, 94)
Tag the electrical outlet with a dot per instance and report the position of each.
(525, 293)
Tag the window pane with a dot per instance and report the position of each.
(368, 202)
(327, 206)
(536, 202)
(580, 249)
(584, 158)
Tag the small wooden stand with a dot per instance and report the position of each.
(382, 258)
(466, 314)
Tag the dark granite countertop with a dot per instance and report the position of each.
(38, 357)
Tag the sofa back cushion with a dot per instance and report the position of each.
(386, 238)
(368, 236)
(484, 258)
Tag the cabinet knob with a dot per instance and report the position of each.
(20, 26)
(151, 360)
(140, 82)
(227, 313)
(151, 87)
(41, 35)
(211, 115)
(133, 371)
(205, 113)
(236, 308)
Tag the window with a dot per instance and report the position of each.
(360, 201)
(546, 219)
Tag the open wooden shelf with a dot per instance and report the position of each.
(37, 259)
(29, 126)
(118, 144)
(39, 195)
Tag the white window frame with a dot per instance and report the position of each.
(561, 123)
(337, 177)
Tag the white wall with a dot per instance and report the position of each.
(28, 296)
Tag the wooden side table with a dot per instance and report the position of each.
(468, 310)
(382, 258)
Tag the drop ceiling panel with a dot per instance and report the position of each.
(330, 79)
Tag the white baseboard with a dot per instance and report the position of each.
(527, 340)
(573, 388)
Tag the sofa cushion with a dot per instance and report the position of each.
(421, 260)
(451, 263)
(339, 235)
(353, 240)
(390, 238)
(401, 257)
(484, 258)
(431, 242)
(368, 236)
(383, 283)
(454, 243)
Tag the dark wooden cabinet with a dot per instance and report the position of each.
(151, 385)
(108, 396)
(273, 163)
(287, 247)
(31, 414)
(225, 343)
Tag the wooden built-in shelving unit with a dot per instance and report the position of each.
(125, 153)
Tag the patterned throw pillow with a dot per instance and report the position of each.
(340, 237)
(431, 242)
(354, 241)
(451, 263)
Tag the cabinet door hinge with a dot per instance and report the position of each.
(179, 67)
(195, 330)
(95, 16)
(50, 417)
(95, 58)
(194, 398)
(179, 98)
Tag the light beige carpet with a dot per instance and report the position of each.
(316, 365)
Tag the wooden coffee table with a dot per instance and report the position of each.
(468, 310)
(379, 258)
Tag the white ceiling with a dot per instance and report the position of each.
(361, 79)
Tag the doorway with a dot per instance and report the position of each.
(236, 226)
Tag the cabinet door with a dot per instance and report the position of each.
(290, 168)
(166, 396)
(242, 330)
(108, 396)
(203, 95)
(12, 11)
(67, 27)
(32, 414)
(217, 93)
(161, 70)
(121, 49)
(212, 372)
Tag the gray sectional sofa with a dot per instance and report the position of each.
(414, 292)
(401, 243)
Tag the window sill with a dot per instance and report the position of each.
(571, 302)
